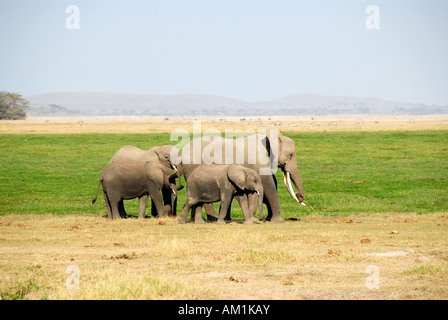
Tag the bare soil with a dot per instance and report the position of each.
(316, 257)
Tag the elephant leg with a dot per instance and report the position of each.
(114, 208)
(109, 208)
(142, 203)
(268, 206)
(228, 216)
(225, 204)
(174, 211)
(211, 213)
(271, 198)
(198, 219)
(153, 209)
(167, 201)
(252, 204)
(121, 209)
(156, 198)
(113, 199)
(183, 215)
(192, 213)
(244, 204)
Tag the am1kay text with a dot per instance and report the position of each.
(237, 309)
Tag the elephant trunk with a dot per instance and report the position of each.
(293, 173)
(174, 207)
(178, 170)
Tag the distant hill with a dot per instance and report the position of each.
(50, 110)
(88, 103)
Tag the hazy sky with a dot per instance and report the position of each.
(246, 49)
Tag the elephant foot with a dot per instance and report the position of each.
(253, 219)
(199, 221)
(181, 219)
(277, 219)
(221, 221)
(250, 221)
(212, 218)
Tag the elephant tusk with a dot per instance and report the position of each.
(174, 192)
(258, 193)
(287, 181)
(174, 167)
(303, 204)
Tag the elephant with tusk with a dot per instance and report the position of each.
(260, 152)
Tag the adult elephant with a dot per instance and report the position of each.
(261, 152)
(159, 154)
(125, 180)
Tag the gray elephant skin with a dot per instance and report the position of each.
(125, 180)
(281, 150)
(213, 183)
(159, 154)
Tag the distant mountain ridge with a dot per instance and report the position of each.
(97, 103)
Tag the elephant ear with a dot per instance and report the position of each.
(154, 173)
(273, 145)
(237, 175)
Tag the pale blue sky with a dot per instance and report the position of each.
(246, 49)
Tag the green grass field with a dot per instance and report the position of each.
(344, 173)
(389, 187)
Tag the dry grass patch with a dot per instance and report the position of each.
(150, 124)
(315, 257)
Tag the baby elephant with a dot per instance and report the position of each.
(125, 180)
(212, 183)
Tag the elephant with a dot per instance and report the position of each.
(131, 153)
(160, 154)
(210, 183)
(279, 152)
(125, 180)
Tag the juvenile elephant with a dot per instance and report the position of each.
(125, 180)
(161, 154)
(213, 183)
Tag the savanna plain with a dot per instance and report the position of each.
(375, 225)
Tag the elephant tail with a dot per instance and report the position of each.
(97, 189)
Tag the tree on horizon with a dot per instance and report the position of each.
(12, 106)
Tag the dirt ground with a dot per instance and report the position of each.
(379, 256)
(146, 124)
